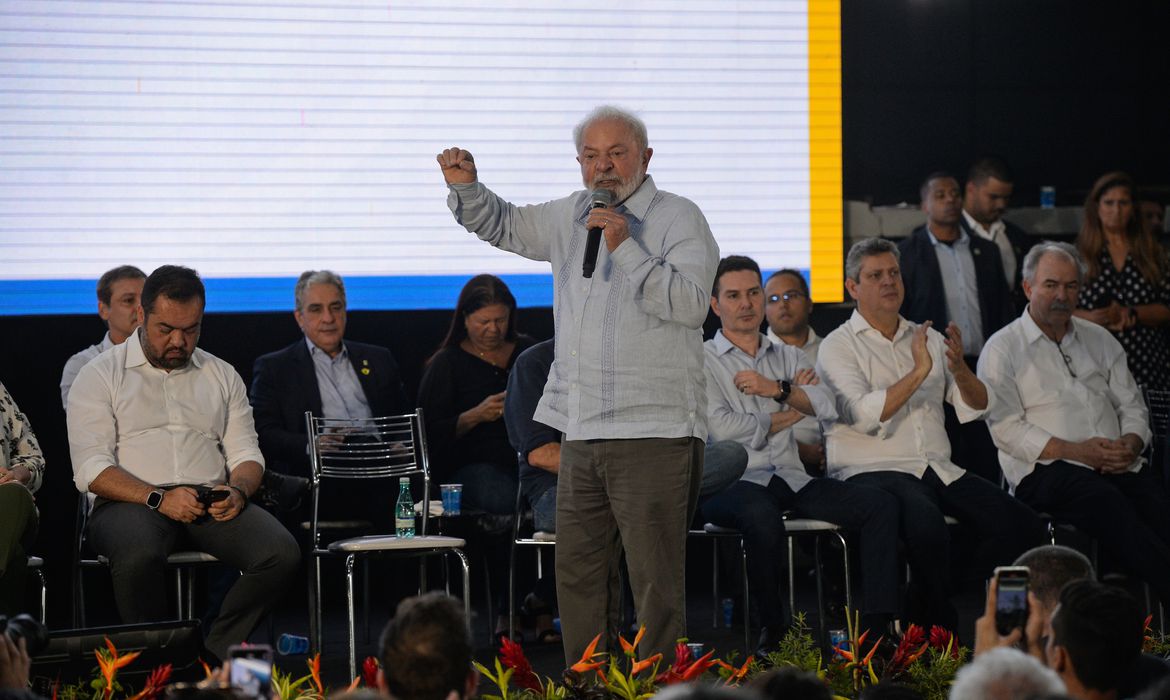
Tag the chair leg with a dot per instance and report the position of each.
(845, 559)
(179, 592)
(315, 604)
(821, 612)
(349, 562)
(791, 576)
(747, 608)
(466, 585)
(511, 589)
(44, 597)
(366, 599)
(715, 582)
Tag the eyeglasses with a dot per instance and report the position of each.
(786, 296)
(1067, 360)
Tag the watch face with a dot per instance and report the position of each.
(154, 500)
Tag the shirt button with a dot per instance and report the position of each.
(573, 385)
(573, 353)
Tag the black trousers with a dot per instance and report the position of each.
(137, 541)
(1128, 513)
(1004, 526)
(757, 511)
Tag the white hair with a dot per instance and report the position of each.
(1005, 674)
(310, 277)
(1065, 250)
(607, 113)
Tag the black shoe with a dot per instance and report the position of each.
(769, 641)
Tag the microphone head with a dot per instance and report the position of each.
(601, 198)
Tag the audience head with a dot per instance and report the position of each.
(485, 314)
(787, 303)
(1050, 568)
(613, 151)
(988, 190)
(1053, 274)
(119, 292)
(171, 315)
(790, 683)
(320, 309)
(1004, 674)
(737, 296)
(1096, 636)
(1110, 210)
(701, 691)
(873, 276)
(426, 650)
(941, 201)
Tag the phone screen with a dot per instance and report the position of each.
(1011, 601)
(251, 672)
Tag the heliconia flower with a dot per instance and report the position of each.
(644, 664)
(206, 669)
(315, 671)
(354, 683)
(628, 647)
(586, 663)
(370, 672)
(737, 674)
(155, 683)
(699, 667)
(512, 655)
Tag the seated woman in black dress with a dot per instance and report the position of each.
(462, 396)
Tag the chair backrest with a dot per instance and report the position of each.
(1158, 401)
(385, 447)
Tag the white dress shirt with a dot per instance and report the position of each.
(808, 430)
(997, 234)
(191, 425)
(858, 363)
(747, 419)
(74, 364)
(1037, 398)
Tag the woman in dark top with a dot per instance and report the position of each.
(462, 396)
(1127, 288)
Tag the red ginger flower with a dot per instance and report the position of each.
(512, 656)
(370, 672)
(944, 640)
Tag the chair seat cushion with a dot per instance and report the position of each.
(390, 543)
(808, 525)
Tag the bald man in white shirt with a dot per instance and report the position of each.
(154, 423)
(1070, 423)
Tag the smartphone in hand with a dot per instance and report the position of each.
(1011, 598)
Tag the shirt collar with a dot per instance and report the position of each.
(961, 240)
(996, 227)
(859, 325)
(136, 357)
(637, 204)
(724, 346)
(315, 351)
(1033, 333)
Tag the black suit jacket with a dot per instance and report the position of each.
(925, 298)
(284, 386)
(1021, 243)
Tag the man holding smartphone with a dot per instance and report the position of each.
(149, 422)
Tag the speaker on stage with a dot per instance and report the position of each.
(69, 657)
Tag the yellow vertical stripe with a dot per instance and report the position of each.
(826, 207)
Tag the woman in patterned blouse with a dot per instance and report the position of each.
(21, 469)
(1128, 285)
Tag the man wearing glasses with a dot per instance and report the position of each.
(1070, 423)
(787, 308)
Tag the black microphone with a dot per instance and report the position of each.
(598, 198)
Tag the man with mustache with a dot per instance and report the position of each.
(154, 422)
(1070, 423)
(626, 386)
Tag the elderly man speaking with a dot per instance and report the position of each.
(626, 386)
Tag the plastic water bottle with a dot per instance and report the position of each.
(404, 510)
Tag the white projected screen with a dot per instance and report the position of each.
(252, 140)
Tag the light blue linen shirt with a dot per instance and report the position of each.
(747, 419)
(337, 381)
(961, 288)
(629, 344)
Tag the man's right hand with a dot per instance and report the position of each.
(923, 362)
(182, 504)
(1104, 455)
(457, 165)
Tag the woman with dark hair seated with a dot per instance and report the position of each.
(1127, 285)
(462, 397)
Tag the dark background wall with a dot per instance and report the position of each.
(1063, 90)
